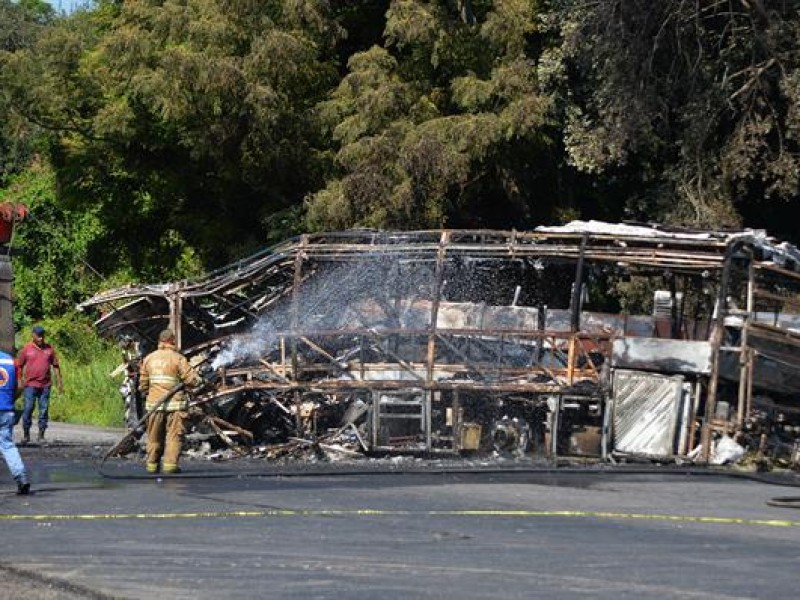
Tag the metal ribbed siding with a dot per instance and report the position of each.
(646, 409)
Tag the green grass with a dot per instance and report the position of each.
(91, 396)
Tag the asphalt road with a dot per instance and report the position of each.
(224, 530)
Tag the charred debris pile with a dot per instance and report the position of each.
(595, 340)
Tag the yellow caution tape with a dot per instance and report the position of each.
(383, 513)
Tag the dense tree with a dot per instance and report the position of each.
(158, 138)
(444, 124)
(20, 24)
(182, 117)
(699, 98)
(52, 249)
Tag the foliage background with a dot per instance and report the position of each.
(157, 139)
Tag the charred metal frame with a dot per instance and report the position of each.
(529, 354)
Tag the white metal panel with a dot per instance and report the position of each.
(646, 409)
(666, 356)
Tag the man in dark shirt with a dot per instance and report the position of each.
(36, 361)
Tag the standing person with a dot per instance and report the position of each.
(8, 391)
(161, 371)
(36, 361)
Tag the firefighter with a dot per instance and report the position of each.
(161, 371)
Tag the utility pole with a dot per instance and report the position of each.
(10, 214)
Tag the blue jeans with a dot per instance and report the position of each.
(31, 395)
(9, 450)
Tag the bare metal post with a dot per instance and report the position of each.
(361, 357)
(577, 290)
(605, 436)
(6, 320)
(575, 310)
(716, 343)
(750, 368)
(175, 313)
(745, 369)
(456, 408)
(555, 422)
(693, 402)
(571, 354)
(431, 357)
(376, 416)
(298, 276)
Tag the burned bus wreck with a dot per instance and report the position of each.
(590, 339)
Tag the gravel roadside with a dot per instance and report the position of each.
(18, 583)
(70, 433)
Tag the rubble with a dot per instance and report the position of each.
(590, 340)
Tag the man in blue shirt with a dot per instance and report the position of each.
(8, 390)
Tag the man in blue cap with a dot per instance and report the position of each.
(36, 361)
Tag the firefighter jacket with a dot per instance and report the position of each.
(161, 371)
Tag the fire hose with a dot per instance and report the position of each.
(785, 502)
(135, 431)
